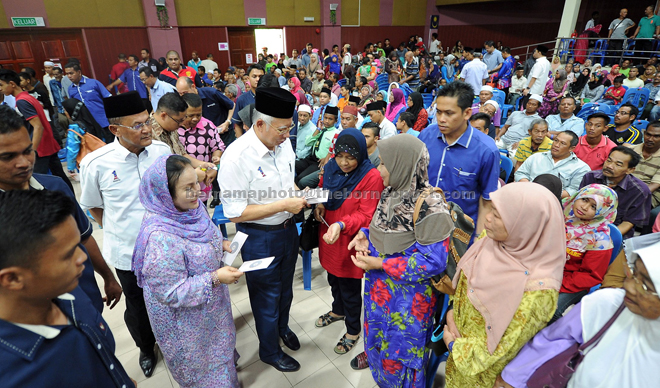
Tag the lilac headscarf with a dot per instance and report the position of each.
(162, 216)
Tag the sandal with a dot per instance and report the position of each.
(360, 361)
(326, 319)
(345, 345)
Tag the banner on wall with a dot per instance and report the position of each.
(248, 58)
(223, 46)
(435, 21)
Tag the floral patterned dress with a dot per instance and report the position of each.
(192, 320)
(399, 304)
(470, 364)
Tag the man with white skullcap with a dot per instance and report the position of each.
(486, 94)
(305, 130)
(48, 69)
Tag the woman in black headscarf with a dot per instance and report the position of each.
(79, 114)
(576, 88)
(416, 107)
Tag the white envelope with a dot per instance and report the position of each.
(255, 265)
(236, 245)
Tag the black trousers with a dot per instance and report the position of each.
(51, 163)
(347, 301)
(135, 316)
(305, 167)
(643, 48)
(615, 47)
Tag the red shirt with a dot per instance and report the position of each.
(169, 76)
(117, 71)
(355, 213)
(30, 108)
(616, 92)
(584, 270)
(594, 157)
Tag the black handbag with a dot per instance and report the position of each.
(309, 235)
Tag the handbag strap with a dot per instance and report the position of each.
(596, 338)
(422, 197)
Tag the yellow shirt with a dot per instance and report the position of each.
(524, 150)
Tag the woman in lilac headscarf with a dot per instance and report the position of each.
(178, 263)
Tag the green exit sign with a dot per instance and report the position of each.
(28, 22)
(256, 21)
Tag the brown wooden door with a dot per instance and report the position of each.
(241, 43)
(30, 49)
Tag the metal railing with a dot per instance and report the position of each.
(565, 48)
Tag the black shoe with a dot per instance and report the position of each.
(215, 202)
(148, 363)
(291, 340)
(286, 363)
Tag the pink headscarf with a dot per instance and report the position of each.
(395, 106)
(296, 84)
(532, 258)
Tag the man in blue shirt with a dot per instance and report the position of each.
(56, 89)
(157, 88)
(50, 333)
(90, 91)
(464, 162)
(493, 57)
(254, 73)
(216, 107)
(131, 78)
(565, 120)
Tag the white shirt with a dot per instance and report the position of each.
(251, 174)
(11, 101)
(209, 65)
(47, 79)
(518, 84)
(434, 46)
(387, 129)
(474, 72)
(159, 89)
(110, 180)
(590, 24)
(540, 71)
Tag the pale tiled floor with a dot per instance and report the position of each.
(320, 366)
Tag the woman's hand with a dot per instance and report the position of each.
(500, 383)
(447, 336)
(331, 236)
(360, 243)
(226, 244)
(452, 324)
(319, 212)
(367, 262)
(228, 274)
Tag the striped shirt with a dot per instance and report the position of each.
(525, 150)
(648, 170)
(631, 135)
(413, 69)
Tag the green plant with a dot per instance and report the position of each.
(333, 16)
(163, 17)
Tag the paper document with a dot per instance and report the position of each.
(236, 245)
(317, 196)
(254, 265)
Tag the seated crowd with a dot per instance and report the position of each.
(536, 195)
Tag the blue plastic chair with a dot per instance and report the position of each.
(220, 220)
(637, 96)
(600, 50)
(434, 361)
(617, 241)
(500, 98)
(629, 50)
(565, 47)
(307, 264)
(406, 90)
(641, 124)
(428, 99)
(593, 107)
(381, 80)
(507, 165)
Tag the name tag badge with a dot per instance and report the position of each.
(463, 173)
(210, 105)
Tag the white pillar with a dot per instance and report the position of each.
(568, 19)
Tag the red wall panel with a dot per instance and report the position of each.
(204, 40)
(105, 44)
(297, 37)
(358, 37)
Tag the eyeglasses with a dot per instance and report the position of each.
(629, 270)
(622, 113)
(137, 127)
(178, 122)
(281, 130)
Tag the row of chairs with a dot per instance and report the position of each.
(566, 47)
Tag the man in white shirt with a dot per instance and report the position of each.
(518, 83)
(347, 56)
(48, 69)
(565, 120)
(209, 64)
(110, 179)
(474, 72)
(595, 16)
(538, 76)
(436, 46)
(376, 112)
(257, 188)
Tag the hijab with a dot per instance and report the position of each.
(391, 229)
(597, 69)
(450, 67)
(646, 78)
(384, 94)
(352, 141)
(578, 85)
(418, 104)
(368, 98)
(595, 83)
(300, 96)
(629, 351)
(594, 234)
(296, 84)
(614, 72)
(532, 258)
(335, 66)
(83, 117)
(314, 63)
(162, 216)
(559, 82)
(395, 106)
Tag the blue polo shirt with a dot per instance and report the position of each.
(131, 78)
(87, 281)
(215, 105)
(242, 101)
(465, 170)
(91, 92)
(80, 354)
